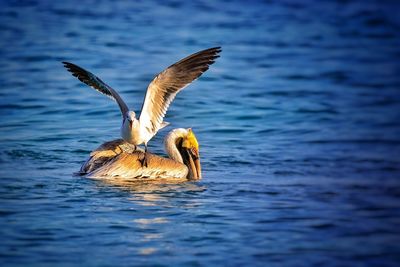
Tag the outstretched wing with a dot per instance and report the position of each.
(96, 83)
(163, 89)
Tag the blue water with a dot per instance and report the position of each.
(298, 122)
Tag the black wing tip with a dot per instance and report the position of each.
(67, 64)
(74, 69)
(212, 53)
(209, 54)
(70, 66)
(213, 50)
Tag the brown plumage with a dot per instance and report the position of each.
(118, 159)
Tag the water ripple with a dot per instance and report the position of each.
(297, 123)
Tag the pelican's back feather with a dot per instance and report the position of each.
(129, 167)
(118, 159)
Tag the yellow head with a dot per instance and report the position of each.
(193, 156)
(190, 141)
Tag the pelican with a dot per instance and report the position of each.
(160, 93)
(117, 159)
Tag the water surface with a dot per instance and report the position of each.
(298, 123)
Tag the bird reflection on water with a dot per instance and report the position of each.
(150, 227)
(154, 192)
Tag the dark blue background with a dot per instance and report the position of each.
(298, 123)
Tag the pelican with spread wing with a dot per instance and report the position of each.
(160, 93)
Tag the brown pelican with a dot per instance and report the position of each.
(160, 93)
(118, 159)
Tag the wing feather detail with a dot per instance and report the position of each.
(96, 83)
(164, 87)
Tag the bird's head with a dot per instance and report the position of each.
(130, 117)
(191, 155)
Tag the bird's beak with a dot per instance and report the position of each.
(191, 156)
(130, 124)
(193, 163)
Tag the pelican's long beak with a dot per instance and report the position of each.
(194, 163)
(130, 124)
(192, 156)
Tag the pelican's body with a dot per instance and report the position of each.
(118, 159)
(160, 93)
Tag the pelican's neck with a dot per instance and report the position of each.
(170, 143)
